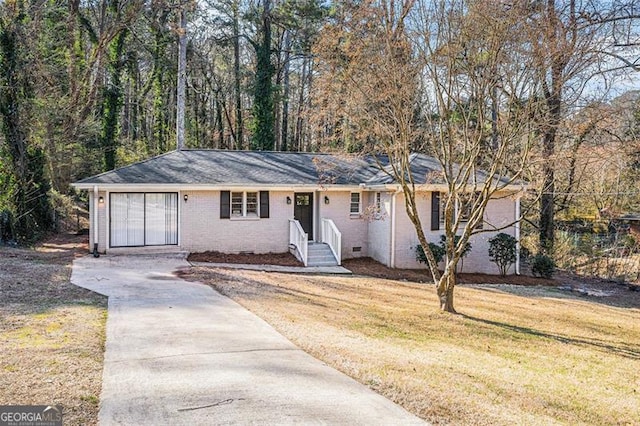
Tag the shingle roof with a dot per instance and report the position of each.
(216, 167)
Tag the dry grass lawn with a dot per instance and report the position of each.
(51, 332)
(516, 355)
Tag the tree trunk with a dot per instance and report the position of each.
(263, 112)
(444, 289)
(182, 79)
(113, 97)
(285, 95)
(236, 77)
(547, 200)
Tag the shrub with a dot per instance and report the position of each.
(542, 266)
(502, 251)
(456, 240)
(439, 250)
(438, 253)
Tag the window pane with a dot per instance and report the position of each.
(161, 222)
(236, 203)
(355, 202)
(252, 203)
(127, 219)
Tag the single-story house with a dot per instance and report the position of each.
(322, 207)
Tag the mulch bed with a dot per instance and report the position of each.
(282, 259)
(370, 267)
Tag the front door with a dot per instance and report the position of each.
(303, 211)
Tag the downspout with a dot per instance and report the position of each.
(392, 257)
(95, 221)
(517, 232)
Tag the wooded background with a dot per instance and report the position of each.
(88, 86)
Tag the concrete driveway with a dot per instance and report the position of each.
(180, 353)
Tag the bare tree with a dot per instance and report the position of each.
(445, 79)
(576, 47)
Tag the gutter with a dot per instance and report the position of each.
(392, 255)
(517, 232)
(95, 221)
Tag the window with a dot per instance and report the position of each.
(463, 207)
(252, 203)
(236, 203)
(378, 203)
(143, 219)
(244, 204)
(443, 211)
(354, 207)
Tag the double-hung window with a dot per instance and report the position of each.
(462, 209)
(244, 204)
(354, 206)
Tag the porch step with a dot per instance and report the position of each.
(320, 254)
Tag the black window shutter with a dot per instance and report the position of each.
(264, 204)
(225, 204)
(435, 211)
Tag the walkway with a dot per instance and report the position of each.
(277, 268)
(180, 353)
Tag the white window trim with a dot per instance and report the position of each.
(359, 212)
(245, 215)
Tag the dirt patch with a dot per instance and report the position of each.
(51, 332)
(282, 259)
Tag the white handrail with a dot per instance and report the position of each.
(332, 236)
(299, 239)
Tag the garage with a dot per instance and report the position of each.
(143, 219)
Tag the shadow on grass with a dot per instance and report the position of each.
(620, 297)
(251, 289)
(619, 348)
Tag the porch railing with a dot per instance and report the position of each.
(299, 239)
(332, 236)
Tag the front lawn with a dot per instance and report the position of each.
(515, 355)
(51, 332)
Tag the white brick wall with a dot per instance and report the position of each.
(500, 212)
(379, 232)
(201, 229)
(102, 222)
(352, 228)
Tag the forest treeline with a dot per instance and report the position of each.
(88, 86)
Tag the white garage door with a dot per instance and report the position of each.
(139, 219)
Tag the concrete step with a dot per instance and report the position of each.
(320, 254)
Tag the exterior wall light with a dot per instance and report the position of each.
(186, 197)
(326, 199)
(288, 200)
(101, 200)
